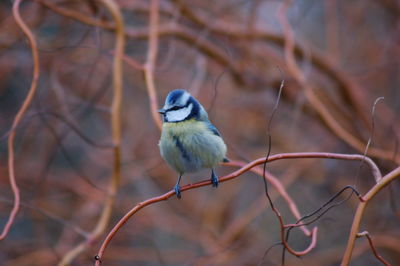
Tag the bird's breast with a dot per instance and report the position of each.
(189, 146)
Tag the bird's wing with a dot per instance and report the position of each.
(213, 129)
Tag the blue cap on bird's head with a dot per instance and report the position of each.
(178, 97)
(179, 106)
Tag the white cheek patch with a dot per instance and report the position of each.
(179, 115)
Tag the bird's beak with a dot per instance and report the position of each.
(161, 111)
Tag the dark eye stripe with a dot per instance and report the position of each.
(174, 108)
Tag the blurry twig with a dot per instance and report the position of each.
(131, 62)
(47, 214)
(315, 102)
(77, 15)
(215, 88)
(60, 146)
(116, 134)
(77, 131)
(20, 115)
(151, 61)
(245, 168)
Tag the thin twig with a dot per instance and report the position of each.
(51, 216)
(353, 190)
(274, 110)
(317, 212)
(371, 135)
(371, 244)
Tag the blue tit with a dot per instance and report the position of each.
(189, 142)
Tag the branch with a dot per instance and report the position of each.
(233, 175)
(116, 134)
(151, 62)
(19, 116)
(371, 244)
(315, 102)
(360, 211)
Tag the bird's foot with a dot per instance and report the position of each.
(177, 189)
(214, 179)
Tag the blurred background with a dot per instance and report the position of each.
(231, 55)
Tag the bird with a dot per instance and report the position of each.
(189, 142)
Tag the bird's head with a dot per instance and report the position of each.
(180, 106)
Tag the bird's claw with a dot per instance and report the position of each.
(214, 179)
(177, 189)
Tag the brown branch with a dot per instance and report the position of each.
(315, 102)
(116, 134)
(84, 18)
(371, 244)
(360, 211)
(151, 61)
(233, 175)
(19, 116)
(132, 63)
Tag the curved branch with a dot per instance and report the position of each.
(19, 116)
(233, 175)
(116, 134)
(315, 102)
(151, 62)
(372, 246)
(360, 211)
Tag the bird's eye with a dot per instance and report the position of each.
(174, 108)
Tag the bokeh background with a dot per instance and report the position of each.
(231, 55)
